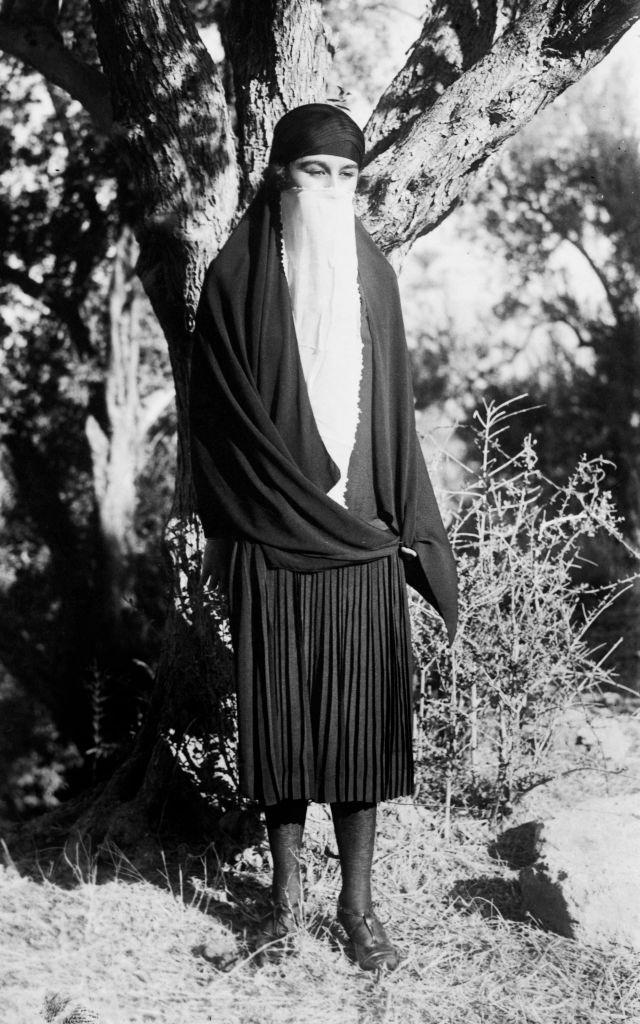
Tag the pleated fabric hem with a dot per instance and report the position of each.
(324, 680)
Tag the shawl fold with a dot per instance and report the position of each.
(261, 471)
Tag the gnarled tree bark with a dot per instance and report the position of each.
(420, 170)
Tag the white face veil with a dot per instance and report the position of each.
(321, 266)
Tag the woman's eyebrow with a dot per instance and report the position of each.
(312, 161)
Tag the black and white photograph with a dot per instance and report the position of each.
(320, 511)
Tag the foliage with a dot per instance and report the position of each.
(200, 725)
(64, 214)
(546, 256)
(559, 213)
(522, 655)
(35, 762)
(370, 40)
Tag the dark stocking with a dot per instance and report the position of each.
(285, 826)
(355, 827)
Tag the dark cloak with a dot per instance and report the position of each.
(260, 469)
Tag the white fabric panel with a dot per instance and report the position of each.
(321, 266)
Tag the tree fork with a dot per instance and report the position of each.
(265, 42)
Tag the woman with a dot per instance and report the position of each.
(317, 506)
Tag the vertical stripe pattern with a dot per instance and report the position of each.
(324, 680)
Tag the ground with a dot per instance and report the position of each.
(172, 943)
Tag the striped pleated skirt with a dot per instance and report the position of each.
(324, 680)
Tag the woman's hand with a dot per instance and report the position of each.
(215, 562)
(408, 552)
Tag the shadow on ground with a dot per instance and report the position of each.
(226, 879)
(500, 896)
(493, 897)
(213, 877)
(517, 846)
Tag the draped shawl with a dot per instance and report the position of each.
(261, 471)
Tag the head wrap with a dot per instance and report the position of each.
(316, 128)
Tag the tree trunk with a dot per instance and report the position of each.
(172, 122)
(116, 450)
(280, 58)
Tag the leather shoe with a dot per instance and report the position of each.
(371, 944)
(277, 929)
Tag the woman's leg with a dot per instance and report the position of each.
(355, 827)
(285, 827)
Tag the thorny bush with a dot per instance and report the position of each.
(487, 708)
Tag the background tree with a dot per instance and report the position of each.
(552, 236)
(574, 202)
(79, 420)
(475, 75)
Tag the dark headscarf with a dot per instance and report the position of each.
(260, 468)
(316, 128)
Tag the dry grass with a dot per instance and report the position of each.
(174, 947)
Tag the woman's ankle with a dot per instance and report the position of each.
(355, 904)
(289, 896)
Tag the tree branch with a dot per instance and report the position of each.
(614, 304)
(39, 46)
(154, 406)
(560, 319)
(454, 36)
(412, 183)
(584, 25)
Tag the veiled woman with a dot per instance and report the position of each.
(315, 499)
